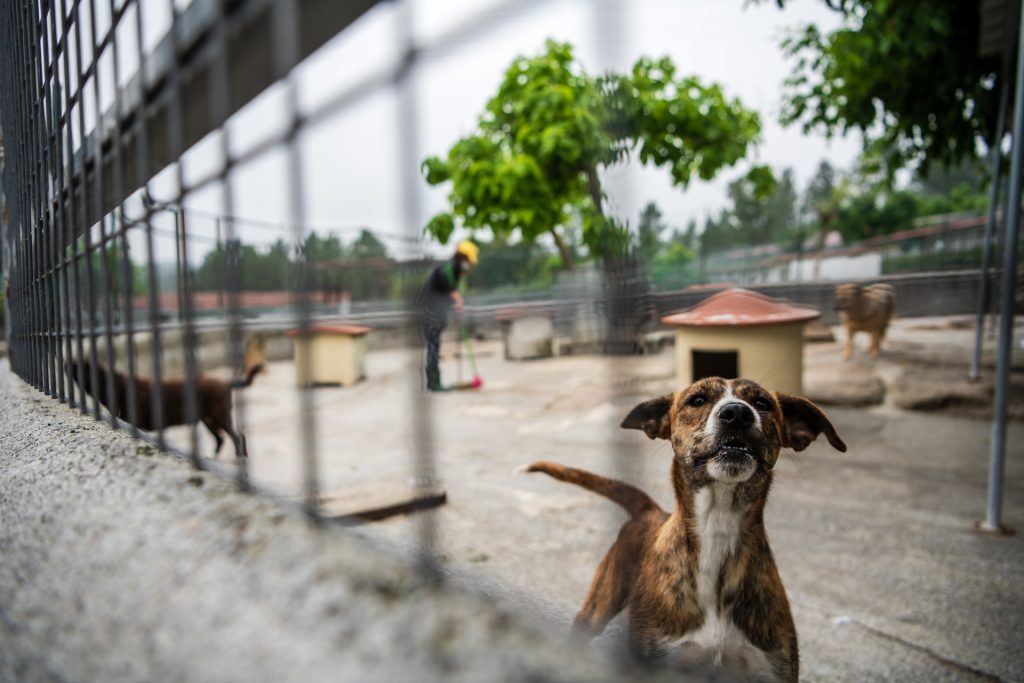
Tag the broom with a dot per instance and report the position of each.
(478, 381)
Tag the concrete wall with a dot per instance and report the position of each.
(120, 563)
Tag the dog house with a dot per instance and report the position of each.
(330, 354)
(739, 333)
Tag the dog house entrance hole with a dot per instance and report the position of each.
(723, 364)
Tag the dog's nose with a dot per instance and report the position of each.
(736, 415)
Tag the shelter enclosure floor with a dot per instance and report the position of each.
(886, 578)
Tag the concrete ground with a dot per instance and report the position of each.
(886, 577)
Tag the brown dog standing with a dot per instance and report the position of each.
(700, 583)
(213, 400)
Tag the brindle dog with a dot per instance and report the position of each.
(700, 583)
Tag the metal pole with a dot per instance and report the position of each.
(990, 228)
(220, 250)
(180, 269)
(998, 453)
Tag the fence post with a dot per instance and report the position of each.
(997, 457)
(990, 228)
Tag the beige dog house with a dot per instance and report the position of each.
(330, 354)
(739, 333)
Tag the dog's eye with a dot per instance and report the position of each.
(761, 403)
(697, 401)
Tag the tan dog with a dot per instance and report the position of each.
(700, 583)
(865, 309)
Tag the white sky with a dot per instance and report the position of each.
(351, 162)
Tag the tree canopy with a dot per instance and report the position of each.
(534, 162)
(905, 73)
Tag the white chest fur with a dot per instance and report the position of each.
(718, 643)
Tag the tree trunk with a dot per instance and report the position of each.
(563, 249)
(594, 185)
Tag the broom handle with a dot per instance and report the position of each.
(469, 347)
(458, 376)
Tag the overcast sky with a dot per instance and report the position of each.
(351, 161)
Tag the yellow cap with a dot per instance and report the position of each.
(469, 250)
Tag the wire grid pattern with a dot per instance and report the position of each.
(72, 167)
(66, 259)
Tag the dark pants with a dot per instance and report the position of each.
(433, 326)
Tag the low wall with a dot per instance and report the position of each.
(948, 293)
(121, 563)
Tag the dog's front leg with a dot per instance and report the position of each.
(848, 349)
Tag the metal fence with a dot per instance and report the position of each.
(100, 115)
(94, 108)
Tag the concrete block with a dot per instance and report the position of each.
(531, 336)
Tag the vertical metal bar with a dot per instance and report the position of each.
(127, 274)
(22, 315)
(622, 287)
(176, 137)
(993, 510)
(425, 471)
(107, 289)
(71, 236)
(48, 209)
(36, 225)
(990, 227)
(220, 86)
(189, 342)
(286, 37)
(64, 211)
(32, 227)
(87, 218)
(40, 216)
(142, 150)
(14, 101)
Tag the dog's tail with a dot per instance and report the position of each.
(250, 375)
(635, 501)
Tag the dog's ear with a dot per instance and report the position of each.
(652, 417)
(804, 421)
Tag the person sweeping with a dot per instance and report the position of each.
(440, 294)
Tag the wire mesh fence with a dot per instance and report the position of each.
(133, 301)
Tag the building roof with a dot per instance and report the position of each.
(332, 328)
(740, 307)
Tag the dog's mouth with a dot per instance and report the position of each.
(734, 460)
(734, 447)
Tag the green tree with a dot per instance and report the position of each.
(367, 245)
(543, 140)
(820, 205)
(762, 219)
(648, 233)
(905, 73)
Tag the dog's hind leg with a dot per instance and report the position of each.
(239, 441)
(212, 426)
(608, 594)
